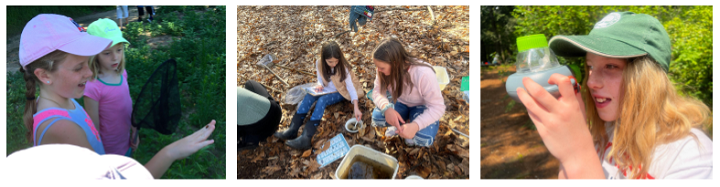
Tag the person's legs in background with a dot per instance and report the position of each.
(126, 14)
(141, 12)
(150, 12)
(119, 16)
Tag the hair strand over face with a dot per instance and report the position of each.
(392, 52)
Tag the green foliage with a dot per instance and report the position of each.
(199, 49)
(14, 109)
(18, 16)
(692, 39)
(497, 35)
(198, 45)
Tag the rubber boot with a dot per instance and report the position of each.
(291, 133)
(305, 141)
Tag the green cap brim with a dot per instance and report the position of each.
(579, 45)
(119, 39)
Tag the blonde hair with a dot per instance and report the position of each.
(651, 113)
(95, 64)
(49, 63)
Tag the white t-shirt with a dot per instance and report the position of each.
(681, 159)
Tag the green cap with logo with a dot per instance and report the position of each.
(107, 28)
(619, 35)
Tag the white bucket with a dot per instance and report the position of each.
(369, 153)
(442, 76)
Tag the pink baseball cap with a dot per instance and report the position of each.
(46, 33)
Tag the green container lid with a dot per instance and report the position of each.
(465, 84)
(531, 41)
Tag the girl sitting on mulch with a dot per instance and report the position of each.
(414, 91)
(335, 75)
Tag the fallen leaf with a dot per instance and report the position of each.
(307, 153)
(271, 169)
(317, 176)
(256, 159)
(314, 165)
(424, 172)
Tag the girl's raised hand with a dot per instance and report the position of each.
(191, 144)
(561, 123)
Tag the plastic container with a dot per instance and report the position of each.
(465, 88)
(369, 153)
(351, 122)
(297, 93)
(442, 76)
(536, 61)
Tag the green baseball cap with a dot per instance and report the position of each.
(619, 35)
(106, 28)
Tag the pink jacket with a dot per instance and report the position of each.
(426, 92)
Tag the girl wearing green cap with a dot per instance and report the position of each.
(107, 97)
(632, 123)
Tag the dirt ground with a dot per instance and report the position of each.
(13, 43)
(294, 35)
(510, 146)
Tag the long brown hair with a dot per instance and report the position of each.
(329, 50)
(49, 63)
(392, 51)
(651, 113)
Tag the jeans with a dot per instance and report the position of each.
(424, 137)
(322, 102)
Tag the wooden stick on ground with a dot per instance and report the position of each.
(432, 15)
(271, 88)
(301, 71)
(276, 75)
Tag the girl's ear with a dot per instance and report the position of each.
(43, 75)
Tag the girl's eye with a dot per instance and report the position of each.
(610, 66)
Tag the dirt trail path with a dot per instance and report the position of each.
(13, 42)
(510, 148)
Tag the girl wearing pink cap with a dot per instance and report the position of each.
(54, 54)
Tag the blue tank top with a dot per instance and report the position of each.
(78, 116)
